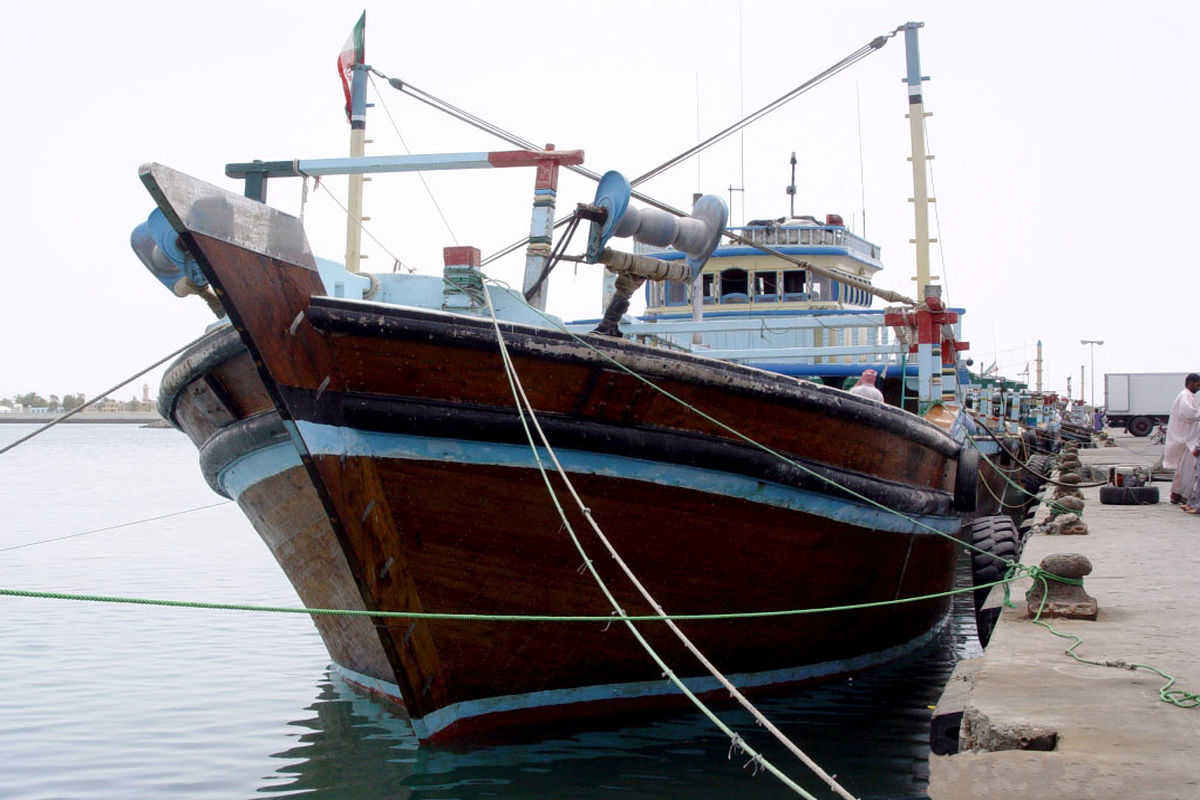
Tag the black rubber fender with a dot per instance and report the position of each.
(966, 480)
(1129, 495)
(1031, 477)
(1000, 541)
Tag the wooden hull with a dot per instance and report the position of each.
(423, 493)
(214, 394)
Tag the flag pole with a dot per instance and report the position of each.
(352, 60)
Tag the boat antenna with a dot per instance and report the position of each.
(862, 184)
(354, 71)
(698, 134)
(741, 189)
(791, 189)
(742, 104)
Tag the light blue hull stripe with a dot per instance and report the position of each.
(335, 440)
(257, 466)
(436, 721)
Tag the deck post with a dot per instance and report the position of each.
(541, 230)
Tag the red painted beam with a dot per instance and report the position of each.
(531, 158)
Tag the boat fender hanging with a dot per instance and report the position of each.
(157, 245)
(696, 235)
(966, 479)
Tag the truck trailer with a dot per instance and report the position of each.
(1136, 401)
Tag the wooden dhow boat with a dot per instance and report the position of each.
(378, 431)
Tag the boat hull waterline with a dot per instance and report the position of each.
(410, 466)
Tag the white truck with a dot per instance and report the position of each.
(1136, 401)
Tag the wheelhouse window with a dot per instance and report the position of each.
(676, 293)
(734, 286)
(766, 287)
(793, 285)
(708, 290)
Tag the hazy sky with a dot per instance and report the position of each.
(1064, 137)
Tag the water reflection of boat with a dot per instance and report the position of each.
(352, 746)
(369, 427)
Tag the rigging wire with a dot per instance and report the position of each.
(362, 227)
(98, 397)
(115, 527)
(482, 124)
(404, 144)
(859, 54)
(937, 218)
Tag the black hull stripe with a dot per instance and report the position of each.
(374, 320)
(503, 426)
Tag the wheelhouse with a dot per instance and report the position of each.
(742, 279)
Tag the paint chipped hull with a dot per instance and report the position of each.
(421, 492)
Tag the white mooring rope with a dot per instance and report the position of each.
(523, 404)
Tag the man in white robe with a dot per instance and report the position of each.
(1183, 439)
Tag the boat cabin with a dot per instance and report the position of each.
(740, 279)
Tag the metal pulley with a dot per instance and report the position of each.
(158, 246)
(696, 235)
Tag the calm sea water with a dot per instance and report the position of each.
(116, 701)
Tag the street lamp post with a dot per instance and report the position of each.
(1093, 343)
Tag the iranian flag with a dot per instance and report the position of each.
(353, 52)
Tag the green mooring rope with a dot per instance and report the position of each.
(1167, 693)
(472, 617)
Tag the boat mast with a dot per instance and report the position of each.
(936, 349)
(357, 110)
(1039, 367)
(916, 127)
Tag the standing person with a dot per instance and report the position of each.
(1191, 501)
(1183, 437)
(866, 387)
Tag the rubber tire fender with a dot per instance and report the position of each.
(1038, 465)
(1129, 495)
(996, 536)
(966, 479)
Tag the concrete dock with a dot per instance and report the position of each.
(1112, 736)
